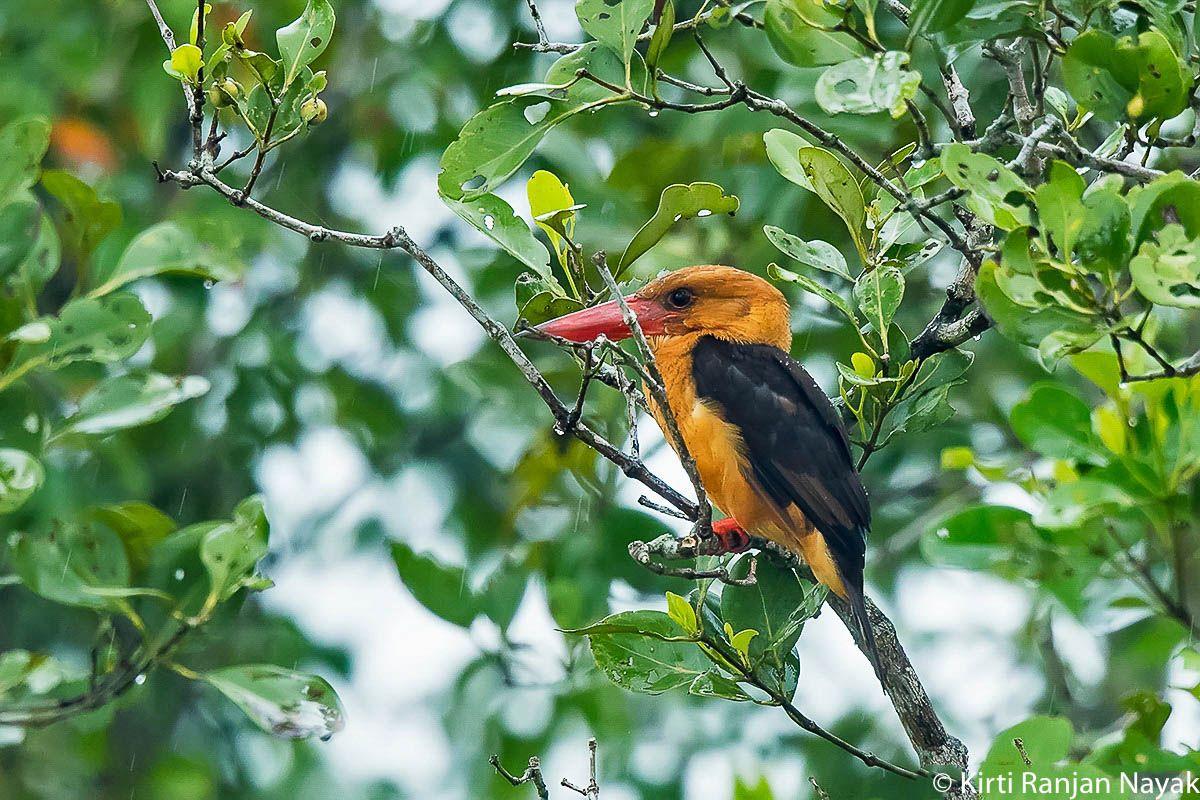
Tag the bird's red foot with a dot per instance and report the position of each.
(731, 535)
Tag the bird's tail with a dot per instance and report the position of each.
(858, 605)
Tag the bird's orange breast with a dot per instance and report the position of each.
(720, 455)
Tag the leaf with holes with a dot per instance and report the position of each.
(994, 191)
(23, 143)
(1167, 271)
(802, 33)
(678, 202)
(495, 219)
(637, 656)
(833, 183)
(1118, 78)
(20, 476)
(616, 25)
(305, 38)
(105, 329)
(230, 550)
(75, 565)
(868, 85)
(778, 273)
(498, 140)
(878, 294)
(20, 228)
(127, 401)
(280, 701)
(817, 254)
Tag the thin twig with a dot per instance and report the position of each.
(532, 774)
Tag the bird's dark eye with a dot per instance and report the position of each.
(681, 298)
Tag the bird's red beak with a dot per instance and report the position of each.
(605, 320)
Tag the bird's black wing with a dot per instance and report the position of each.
(795, 443)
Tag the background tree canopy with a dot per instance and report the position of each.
(283, 517)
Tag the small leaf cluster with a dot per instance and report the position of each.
(737, 644)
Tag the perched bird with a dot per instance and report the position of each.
(770, 448)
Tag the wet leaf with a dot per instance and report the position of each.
(878, 294)
(868, 85)
(801, 33)
(280, 701)
(20, 225)
(645, 663)
(1167, 271)
(165, 248)
(817, 254)
(809, 285)
(441, 588)
(993, 190)
(20, 476)
(75, 565)
(23, 143)
(230, 551)
(495, 219)
(304, 39)
(87, 219)
(614, 24)
(833, 183)
(678, 202)
(127, 401)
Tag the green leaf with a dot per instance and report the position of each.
(992, 188)
(1046, 740)
(801, 33)
(139, 525)
(20, 228)
(165, 248)
(817, 254)
(661, 36)
(304, 39)
(106, 329)
(41, 261)
(23, 143)
(1103, 236)
(1171, 199)
(497, 141)
(878, 294)
(75, 565)
(127, 401)
(1167, 271)
(280, 701)
(87, 219)
(549, 196)
(782, 147)
(1025, 325)
(714, 684)
(868, 85)
(230, 551)
(616, 25)
(441, 588)
(678, 202)
(538, 301)
(1053, 421)
(1060, 207)
(1118, 78)
(495, 218)
(680, 610)
(776, 606)
(185, 63)
(20, 476)
(932, 16)
(194, 30)
(641, 661)
(833, 183)
(778, 273)
(977, 537)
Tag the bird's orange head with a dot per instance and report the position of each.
(724, 302)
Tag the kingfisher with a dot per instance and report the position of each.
(770, 448)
